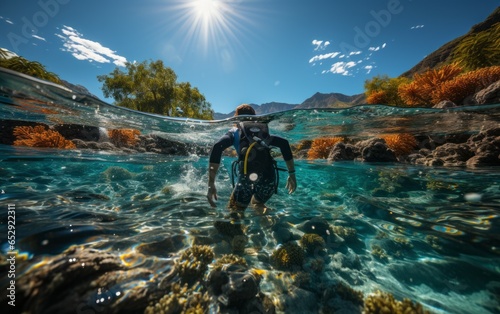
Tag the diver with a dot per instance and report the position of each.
(256, 170)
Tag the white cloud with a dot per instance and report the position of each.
(84, 49)
(347, 63)
(377, 48)
(341, 67)
(320, 45)
(417, 27)
(38, 37)
(6, 20)
(324, 56)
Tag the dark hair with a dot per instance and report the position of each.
(244, 110)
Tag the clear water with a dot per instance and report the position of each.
(448, 217)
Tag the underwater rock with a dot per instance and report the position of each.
(321, 227)
(489, 95)
(298, 300)
(235, 287)
(445, 104)
(77, 131)
(482, 149)
(342, 151)
(75, 279)
(155, 143)
(116, 173)
(375, 150)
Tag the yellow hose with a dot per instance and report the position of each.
(246, 158)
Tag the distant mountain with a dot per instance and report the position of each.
(443, 54)
(318, 100)
(77, 88)
(332, 100)
(259, 109)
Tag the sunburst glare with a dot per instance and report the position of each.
(219, 26)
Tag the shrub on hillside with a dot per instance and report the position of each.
(419, 92)
(457, 89)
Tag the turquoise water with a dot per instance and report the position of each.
(439, 227)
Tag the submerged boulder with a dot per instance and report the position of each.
(82, 279)
(489, 95)
(375, 150)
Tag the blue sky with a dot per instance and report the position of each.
(238, 51)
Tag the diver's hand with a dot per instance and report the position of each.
(291, 183)
(212, 195)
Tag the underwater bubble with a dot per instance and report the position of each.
(473, 197)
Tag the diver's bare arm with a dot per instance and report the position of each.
(291, 182)
(212, 191)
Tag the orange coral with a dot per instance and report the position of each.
(320, 147)
(401, 144)
(39, 136)
(420, 91)
(123, 137)
(457, 89)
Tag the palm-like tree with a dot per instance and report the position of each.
(32, 68)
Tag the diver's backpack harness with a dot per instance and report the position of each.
(251, 141)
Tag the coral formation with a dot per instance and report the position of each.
(304, 144)
(39, 136)
(231, 226)
(115, 173)
(312, 243)
(287, 256)
(401, 144)
(321, 147)
(181, 299)
(123, 137)
(381, 302)
(229, 259)
(379, 252)
(193, 263)
(346, 233)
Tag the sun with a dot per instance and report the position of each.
(207, 22)
(206, 10)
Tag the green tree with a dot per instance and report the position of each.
(152, 87)
(382, 89)
(32, 68)
(479, 50)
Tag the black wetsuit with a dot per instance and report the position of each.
(263, 186)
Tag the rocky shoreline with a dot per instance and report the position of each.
(453, 150)
(456, 150)
(482, 149)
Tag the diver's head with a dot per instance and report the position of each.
(244, 110)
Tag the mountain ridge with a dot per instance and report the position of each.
(435, 59)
